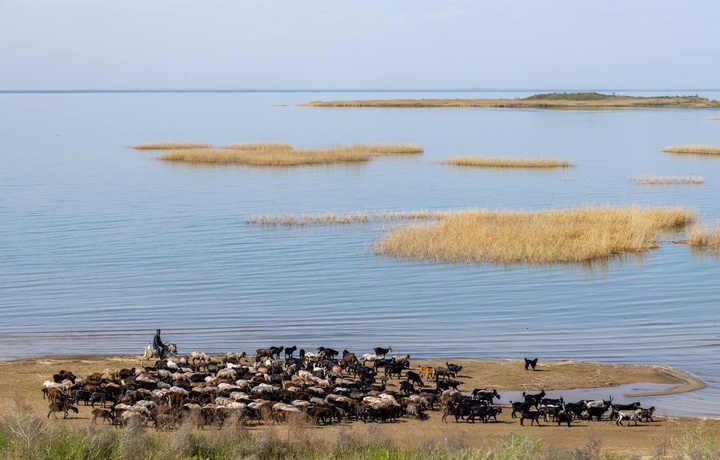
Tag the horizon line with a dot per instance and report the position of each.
(336, 90)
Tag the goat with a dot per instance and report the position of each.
(482, 394)
(382, 351)
(564, 417)
(633, 406)
(520, 407)
(289, 351)
(552, 402)
(414, 377)
(104, 414)
(61, 405)
(453, 367)
(328, 353)
(533, 415)
(443, 372)
(394, 368)
(404, 360)
(629, 415)
(530, 363)
(647, 414)
(427, 372)
(406, 387)
(596, 412)
(534, 398)
(198, 356)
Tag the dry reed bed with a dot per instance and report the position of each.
(279, 154)
(344, 219)
(555, 236)
(668, 180)
(506, 162)
(702, 235)
(170, 146)
(694, 149)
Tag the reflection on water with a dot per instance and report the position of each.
(100, 245)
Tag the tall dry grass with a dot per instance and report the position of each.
(555, 236)
(507, 162)
(695, 149)
(667, 180)
(171, 146)
(281, 157)
(702, 235)
(280, 154)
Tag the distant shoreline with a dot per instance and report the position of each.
(591, 101)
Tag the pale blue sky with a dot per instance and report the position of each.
(214, 44)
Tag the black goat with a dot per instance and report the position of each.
(530, 363)
(289, 351)
(533, 415)
(453, 367)
(382, 351)
(534, 398)
(414, 377)
(485, 395)
(520, 407)
(564, 417)
(328, 352)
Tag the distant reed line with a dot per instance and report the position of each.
(361, 217)
(274, 153)
(693, 149)
(667, 180)
(506, 162)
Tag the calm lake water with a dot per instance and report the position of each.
(100, 244)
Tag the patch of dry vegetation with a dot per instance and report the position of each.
(667, 180)
(279, 154)
(541, 101)
(704, 236)
(555, 236)
(344, 219)
(170, 146)
(507, 162)
(694, 149)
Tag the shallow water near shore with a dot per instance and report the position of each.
(101, 244)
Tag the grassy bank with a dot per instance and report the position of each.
(694, 149)
(570, 235)
(542, 101)
(28, 436)
(667, 180)
(506, 162)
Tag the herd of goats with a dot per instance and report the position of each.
(326, 387)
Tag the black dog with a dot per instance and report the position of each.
(530, 363)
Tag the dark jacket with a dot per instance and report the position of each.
(157, 343)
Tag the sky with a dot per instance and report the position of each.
(368, 44)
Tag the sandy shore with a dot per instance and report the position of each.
(22, 379)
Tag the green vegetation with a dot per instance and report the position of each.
(31, 437)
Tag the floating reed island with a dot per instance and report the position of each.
(281, 154)
(506, 162)
(543, 237)
(704, 236)
(667, 180)
(539, 101)
(693, 149)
